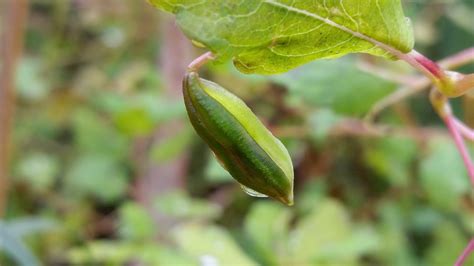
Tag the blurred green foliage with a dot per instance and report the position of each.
(90, 94)
(320, 84)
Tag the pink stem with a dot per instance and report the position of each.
(464, 129)
(450, 84)
(200, 61)
(458, 59)
(468, 250)
(430, 66)
(450, 121)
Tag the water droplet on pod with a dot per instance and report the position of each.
(252, 192)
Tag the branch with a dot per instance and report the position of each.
(459, 59)
(466, 131)
(441, 104)
(448, 84)
(400, 94)
(386, 74)
(458, 140)
(14, 15)
(454, 61)
(200, 61)
(464, 82)
(431, 69)
(469, 249)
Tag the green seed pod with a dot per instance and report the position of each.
(242, 144)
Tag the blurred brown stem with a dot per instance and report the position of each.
(14, 13)
(157, 178)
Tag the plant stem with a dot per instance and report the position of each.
(465, 82)
(454, 61)
(14, 17)
(384, 73)
(459, 59)
(453, 129)
(200, 61)
(467, 132)
(451, 84)
(424, 64)
(400, 94)
(467, 251)
(444, 86)
(441, 104)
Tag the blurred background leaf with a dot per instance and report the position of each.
(210, 245)
(443, 176)
(324, 83)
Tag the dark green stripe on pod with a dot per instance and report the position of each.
(246, 149)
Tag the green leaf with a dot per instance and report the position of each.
(267, 226)
(319, 235)
(395, 248)
(443, 176)
(423, 219)
(38, 170)
(215, 173)
(94, 135)
(31, 82)
(448, 244)
(273, 36)
(391, 158)
(29, 225)
(336, 84)
(210, 245)
(16, 248)
(172, 147)
(107, 252)
(178, 204)
(135, 222)
(321, 123)
(134, 121)
(311, 195)
(12, 232)
(91, 173)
